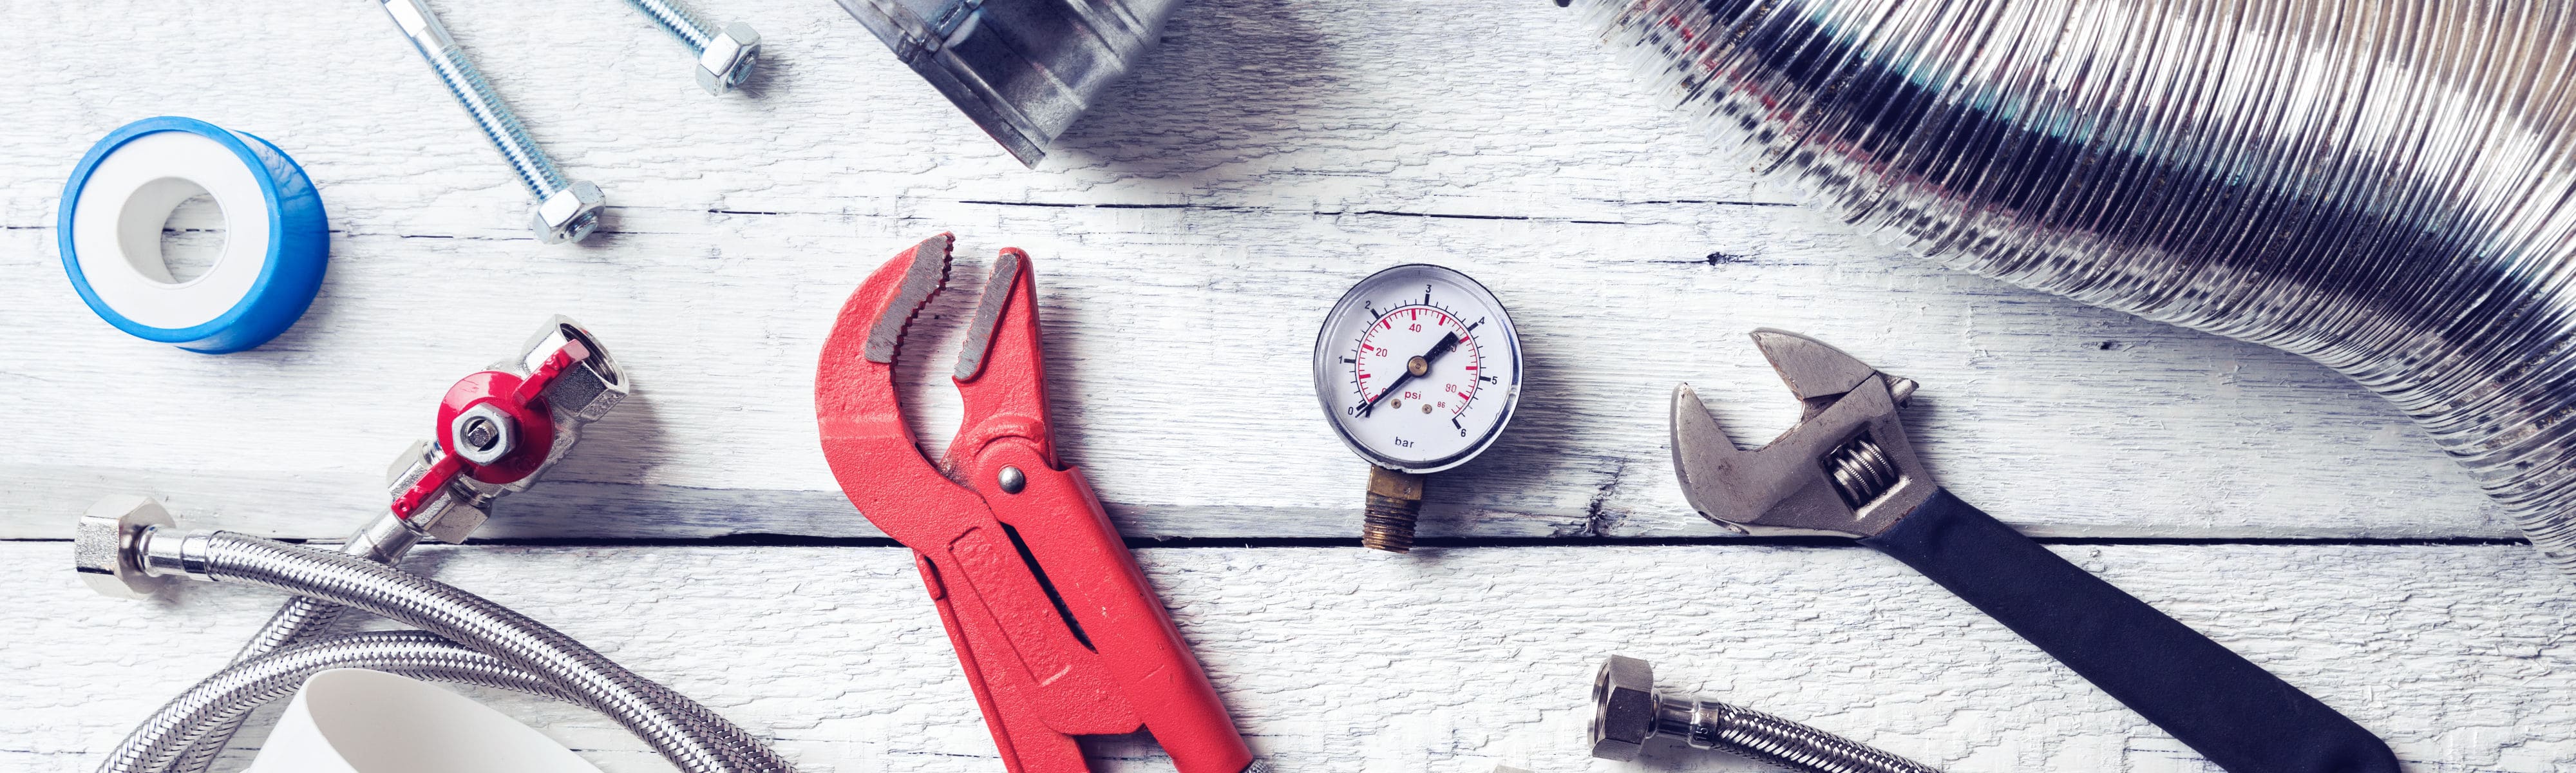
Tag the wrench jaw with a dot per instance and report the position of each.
(870, 449)
(1814, 370)
(1845, 470)
(1001, 376)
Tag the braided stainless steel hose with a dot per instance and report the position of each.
(1766, 738)
(383, 540)
(1628, 711)
(692, 737)
(222, 700)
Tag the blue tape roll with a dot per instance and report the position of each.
(277, 238)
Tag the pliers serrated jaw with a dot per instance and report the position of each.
(1051, 618)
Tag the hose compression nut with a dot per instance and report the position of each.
(1624, 706)
(103, 545)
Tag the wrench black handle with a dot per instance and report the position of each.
(2239, 716)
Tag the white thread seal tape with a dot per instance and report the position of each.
(276, 237)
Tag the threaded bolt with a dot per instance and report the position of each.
(725, 57)
(565, 210)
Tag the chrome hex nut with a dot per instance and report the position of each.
(569, 215)
(584, 392)
(452, 513)
(103, 545)
(448, 517)
(484, 433)
(1623, 703)
(728, 59)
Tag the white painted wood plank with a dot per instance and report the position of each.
(1447, 661)
(1279, 153)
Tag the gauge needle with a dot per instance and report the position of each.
(1413, 367)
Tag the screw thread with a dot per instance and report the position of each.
(1388, 523)
(679, 21)
(535, 171)
(1766, 738)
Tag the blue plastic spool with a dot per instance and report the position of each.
(288, 272)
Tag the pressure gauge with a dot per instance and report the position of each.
(1418, 369)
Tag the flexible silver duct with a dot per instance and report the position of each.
(491, 645)
(2383, 186)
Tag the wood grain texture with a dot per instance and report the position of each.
(1189, 234)
(1447, 661)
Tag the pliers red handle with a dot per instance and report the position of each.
(1053, 621)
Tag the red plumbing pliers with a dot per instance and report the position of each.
(1052, 619)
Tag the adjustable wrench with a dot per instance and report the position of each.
(1846, 470)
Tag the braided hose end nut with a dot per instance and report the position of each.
(728, 58)
(104, 545)
(568, 215)
(1624, 707)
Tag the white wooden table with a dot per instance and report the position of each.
(1189, 234)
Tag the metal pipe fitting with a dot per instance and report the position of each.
(103, 546)
(725, 56)
(1628, 711)
(565, 210)
(582, 393)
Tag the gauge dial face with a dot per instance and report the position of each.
(1418, 368)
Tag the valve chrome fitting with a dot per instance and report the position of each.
(495, 424)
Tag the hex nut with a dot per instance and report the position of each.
(1623, 701)
(728, 59)
(568, 215)
(500, 432)
(580, 394)
(448, 517)
(102, 545)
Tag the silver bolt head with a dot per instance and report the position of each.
(728, 60)
(569, 215)
(1623, 703)
(103, 545)
(503, 431)
(1012, 479)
